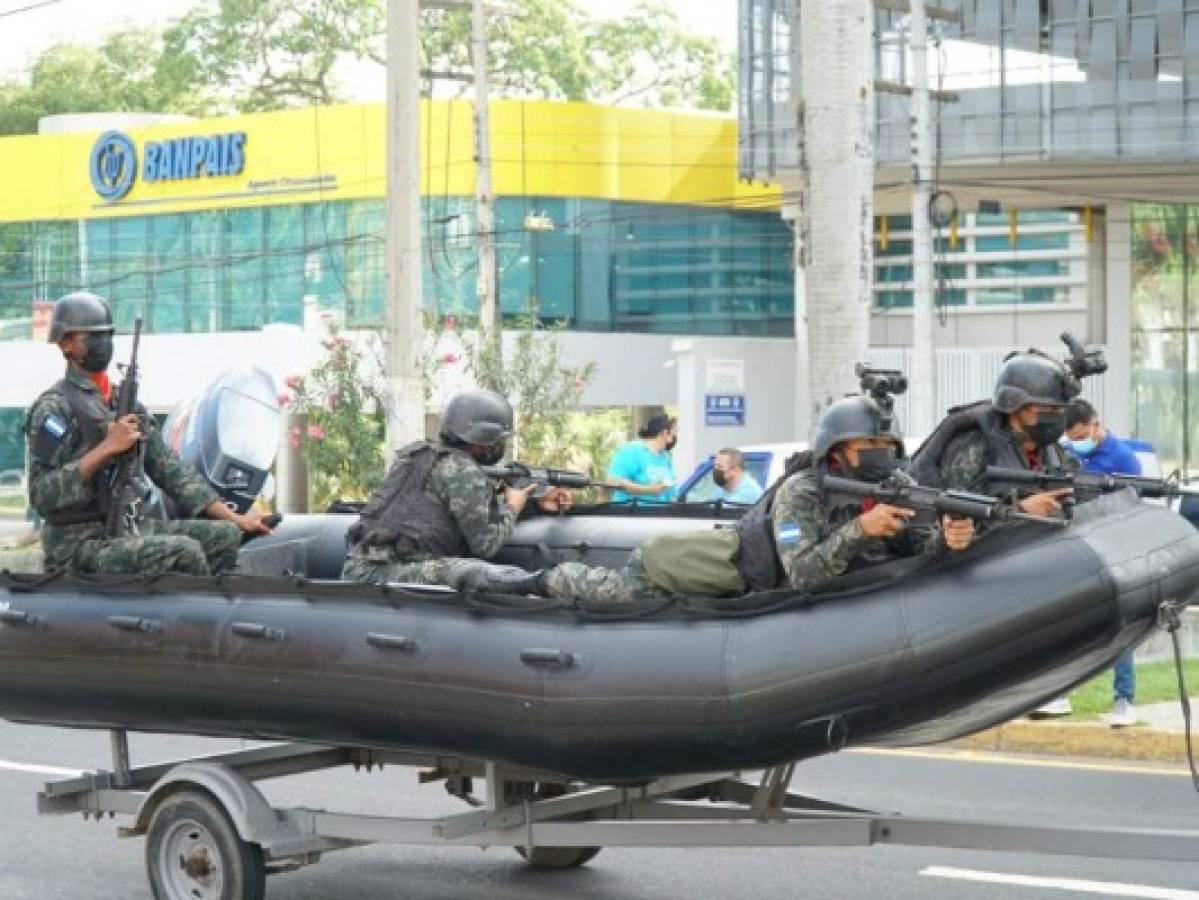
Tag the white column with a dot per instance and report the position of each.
(924, 366)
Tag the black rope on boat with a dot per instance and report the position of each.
(1169, 617)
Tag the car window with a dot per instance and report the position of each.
(703, 490)
(758, 465)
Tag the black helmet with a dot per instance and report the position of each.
(80, 311)
(854, 417)
(1032, 377)
(477, 417)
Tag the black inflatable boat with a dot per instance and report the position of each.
(914, 652)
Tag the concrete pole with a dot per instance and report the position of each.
(793, 215)
(837, 166)
(404, 390)
(489, 315)
(924, 361)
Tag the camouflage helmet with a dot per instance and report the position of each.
(477, 417)
(1032, 377)
(850, 418)
(80, 311)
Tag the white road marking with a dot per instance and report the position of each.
(39, 770)
(1110, 888)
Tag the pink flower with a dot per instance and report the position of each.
(295, 431)
(316, 432)
(283, 399)
(293, 441)
(449, 358)
(295, 382)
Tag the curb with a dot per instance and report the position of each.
(1079, 739)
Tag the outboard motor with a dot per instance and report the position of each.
(230, 433)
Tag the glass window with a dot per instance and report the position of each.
(893, 248)
(1023, 268)
(205, 271)
(1001, 243)
(129, 284)
(365, 241)
(1158, 264)
(16, 272)
(284, 286)
(167, 274)
(325, 254)
(893, 299)
(245, 273)
(1001, 295)
(1027, 217)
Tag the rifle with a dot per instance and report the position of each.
(1086, 485)
(126, 490)
(930, 504)
(517, 474)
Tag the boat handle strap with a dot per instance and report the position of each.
(135, 623)
(544, 656)
(258, 630)
(20, 617)
(392, 642)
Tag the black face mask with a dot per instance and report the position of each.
(720, 477)
(874, 464)
(1048, 429)
(488, 456)
(670, 444)
(99, 352)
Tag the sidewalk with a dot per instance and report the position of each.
(1159, 736)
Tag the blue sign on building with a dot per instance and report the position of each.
(724, 409)
(114, 162)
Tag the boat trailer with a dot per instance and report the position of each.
(212, 835)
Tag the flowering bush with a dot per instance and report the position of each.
(342, 439)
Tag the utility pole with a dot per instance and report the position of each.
(404, 380)
(924, 360)
(837, 172)
(489, 313)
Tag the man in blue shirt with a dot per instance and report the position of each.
(733, 483)
(1103, 453)
(644, 469)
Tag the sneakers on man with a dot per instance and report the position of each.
(1122, 714)
(1059, 706)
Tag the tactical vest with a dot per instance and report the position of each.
(1002, 450)
(92, 418)
(401, 515)
(758, 560)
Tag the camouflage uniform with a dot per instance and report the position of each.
(815, 543)
(483, 518)
(194, 547)
(964, 464)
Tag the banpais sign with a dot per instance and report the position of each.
(114, 162)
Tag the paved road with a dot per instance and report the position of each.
(68, 858)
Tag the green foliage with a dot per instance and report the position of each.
(1156, 682)
(343, 411)
(128, 72)
(553, 49)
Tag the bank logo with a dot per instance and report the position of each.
(113, 165)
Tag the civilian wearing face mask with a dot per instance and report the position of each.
(733, 483)
(1101, 452)
(644, 469)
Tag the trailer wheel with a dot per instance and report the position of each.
(558, 857)
(193, 852)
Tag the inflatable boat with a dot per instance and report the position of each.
(917, 651)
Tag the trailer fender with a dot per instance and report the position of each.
(255, 820)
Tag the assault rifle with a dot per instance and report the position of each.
(126, 489)
(1086, 485)
(517, 474)
(930, 504)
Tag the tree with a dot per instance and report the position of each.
(128, 72)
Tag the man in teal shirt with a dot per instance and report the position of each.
(644, 469)
(733, 483)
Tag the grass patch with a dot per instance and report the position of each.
(1156, 683)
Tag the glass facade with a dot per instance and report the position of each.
(1165, 331)
(983, 264)
(602, 266)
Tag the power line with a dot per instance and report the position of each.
(21, 9)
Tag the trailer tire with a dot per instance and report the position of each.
(193, 852)
(558, 857)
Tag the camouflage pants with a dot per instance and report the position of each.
(183, 546)
(455, 572)
(591, 584)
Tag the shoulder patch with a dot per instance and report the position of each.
(55, 426)
(787, 534)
